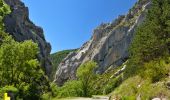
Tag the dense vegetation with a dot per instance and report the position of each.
(57, 59)
(20, 68)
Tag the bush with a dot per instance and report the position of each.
(46, 96)
(128, 98)
(112, 84)
(70, 89)
(156, 69)
(9, 89)
(86, 76)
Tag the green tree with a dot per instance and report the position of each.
(20, 68)
(156, 70)
(4, 10)
(86, 75)
(71, 88)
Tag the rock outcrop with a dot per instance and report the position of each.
(21, 28)
(108, 45)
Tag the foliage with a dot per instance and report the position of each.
(57, 59)
(157, 69)
(112, 84)
(20, 68)
(71, 89)
(128, 98)
(106, 83)
(86, 75)
(8, 89)
(46, 96)
(4, 10)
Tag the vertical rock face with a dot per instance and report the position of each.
(21, 28)
(108, 45)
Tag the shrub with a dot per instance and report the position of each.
(70, 89)
(86, 76)
(9, 89)
(156, 69)
(112, 84)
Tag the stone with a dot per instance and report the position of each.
(168, 84)
(156, 99)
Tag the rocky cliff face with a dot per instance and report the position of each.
(21, 28)
(108, 46)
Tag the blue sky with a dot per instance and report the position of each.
(68, 24)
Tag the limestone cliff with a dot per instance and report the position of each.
(18, 24)
(108, 46)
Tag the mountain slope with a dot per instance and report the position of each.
(108, 46)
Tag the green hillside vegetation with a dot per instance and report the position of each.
(57, 59)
